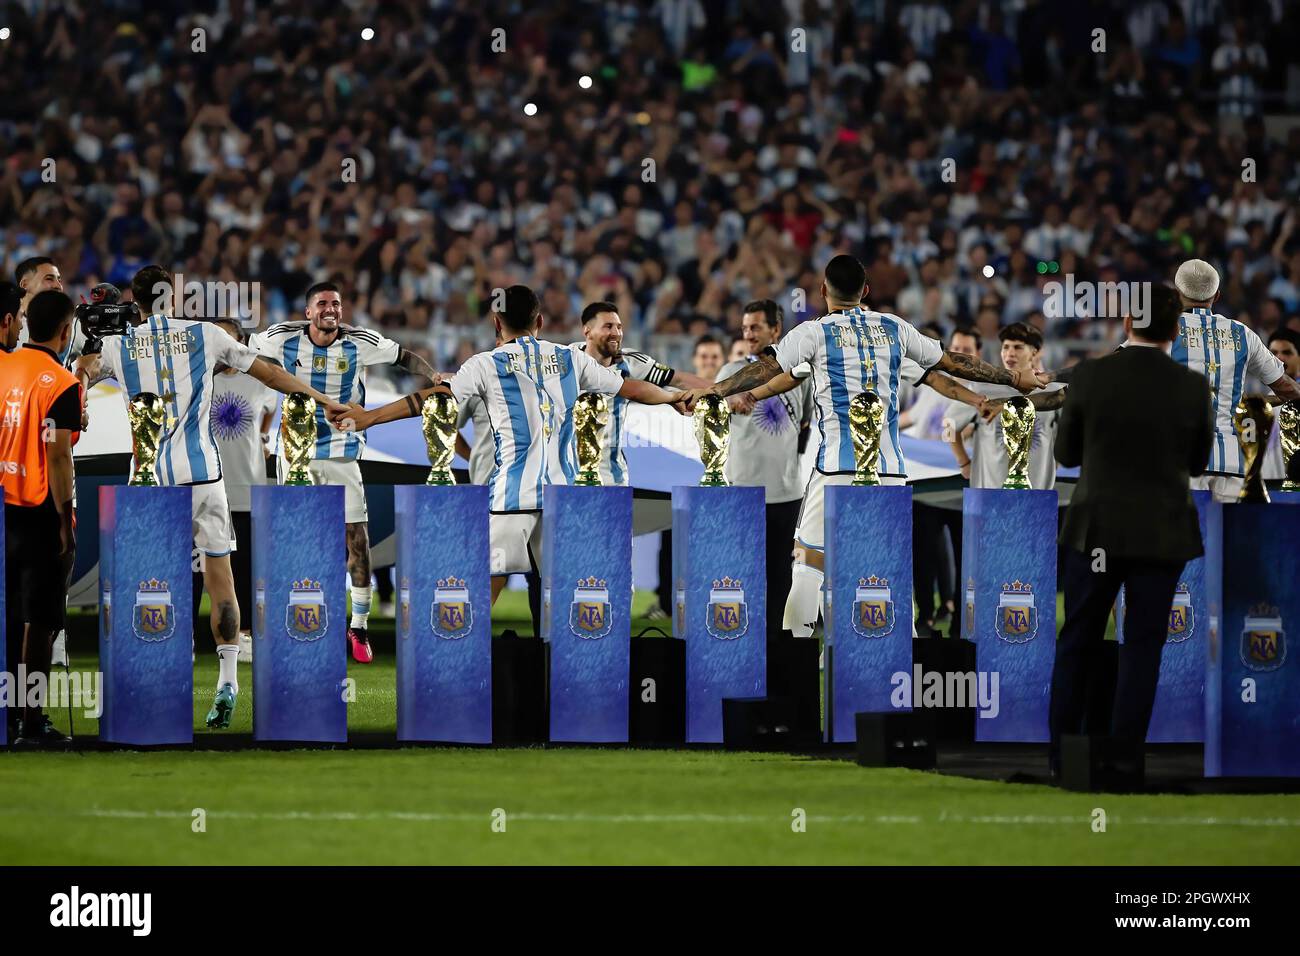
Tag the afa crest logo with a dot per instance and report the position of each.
(589, 616)
(1182, 621)
(1263, 641)
(306, 618)
(1016, 621)
(154, 618)
(452, 616)
(728, 616)
(873, 608)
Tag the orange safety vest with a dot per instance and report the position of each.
(30, 381)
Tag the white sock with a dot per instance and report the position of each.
(227, 671)
(360, 606)
(804, 602)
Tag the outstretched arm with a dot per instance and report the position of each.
(415, 363)
(647, 394)
(776, 385)
(975, 370)
(91, 370)
(355, 418)
(1285, 389)
(275, 377)
(951, 388)
(1042, 401)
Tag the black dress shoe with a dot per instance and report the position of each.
(41, 732)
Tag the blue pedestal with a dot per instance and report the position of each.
(444, 618)
(587, 610)
(299, 623)
(1009, 555)
(720, 583)
(146, 614)
(1252, 685)
(868, 603)
(1284, 497)
(1178, 715)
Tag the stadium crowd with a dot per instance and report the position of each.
(724, 151)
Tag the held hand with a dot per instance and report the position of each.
(691, 396)
(989, 410)
(1027, 380)
(348, 418)
(742, 403)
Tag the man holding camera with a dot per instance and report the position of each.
(176, 359)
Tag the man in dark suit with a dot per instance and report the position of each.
(1140, 426)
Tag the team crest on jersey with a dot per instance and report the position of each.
(154, 618)
(1263, 641)
(589, 616)
(727, 616)
(873, 608)
(452, 616)
(1182, 622)
(306, 617)
(318, 363)
(1016, 621)
(341, 364)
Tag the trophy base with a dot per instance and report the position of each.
(587, 481)
(713, 481)
(1016, 484)
(866, 481)
(440, 479)
(142, 481)
(292, 482)
(1289, 486)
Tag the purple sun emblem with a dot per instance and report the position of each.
(231, 416)
(771, 415)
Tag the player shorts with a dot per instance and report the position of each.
(812, 516)
(1225, 488)
(512, 536)
(337, 471)
(214, 534)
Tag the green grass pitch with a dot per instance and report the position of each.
(578, 806)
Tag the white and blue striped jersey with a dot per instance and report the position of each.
(851, 352)
(335, 370)
(635, 365)
(529, 387)
(175, 359)
(1225, 351)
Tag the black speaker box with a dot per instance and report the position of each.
(657, 711)
(902, 739)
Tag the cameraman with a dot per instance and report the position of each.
(40, 536)
(176, 359)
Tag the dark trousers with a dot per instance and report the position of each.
(931, 529)
(782, 520)
(1089, 597)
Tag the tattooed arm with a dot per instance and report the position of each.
(413, 362)
(1042, 401)
(91, 370)
(752, 375)
(974, 370)
(951, 388)
(355, 418)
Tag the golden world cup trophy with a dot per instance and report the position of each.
(590, 416)
(438, 415)
(147, 414)
(298, 432)
(1288, 428)
(1018, 435)
(1253, 421)
(866, 419)
(713, 432)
